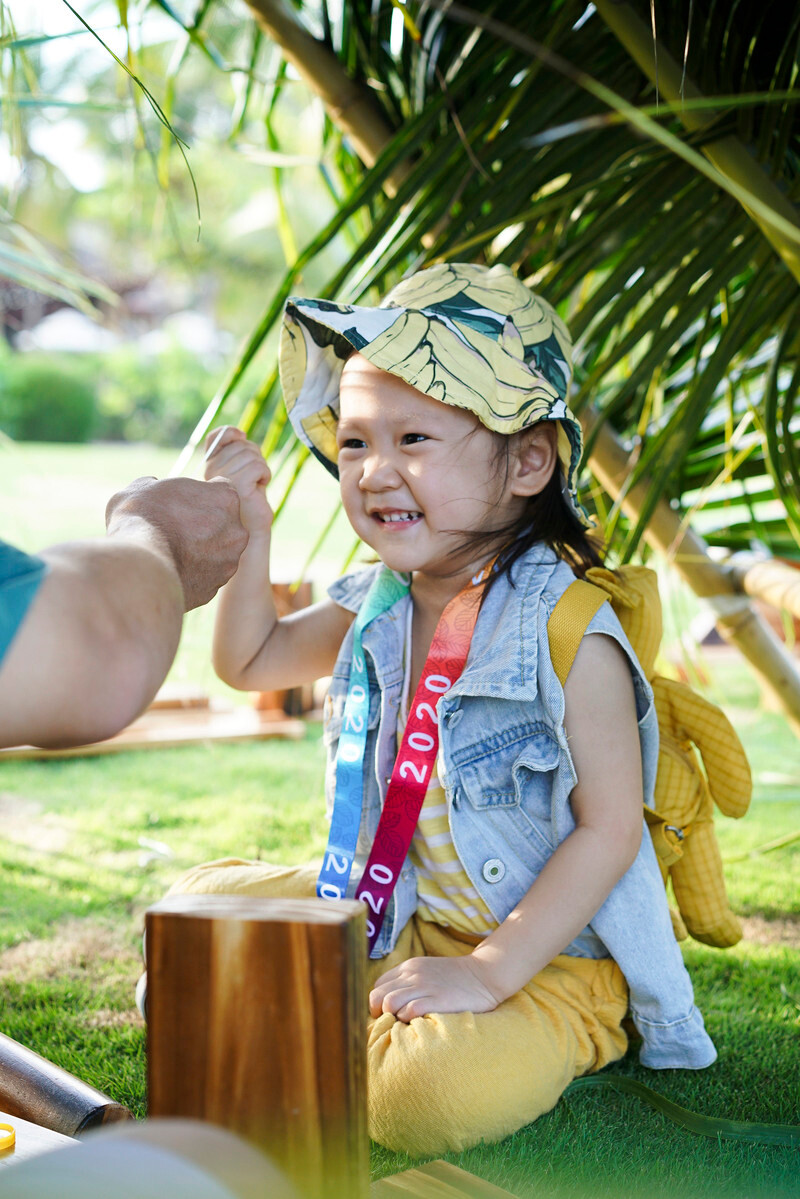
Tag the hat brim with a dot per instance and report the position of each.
(451, 357)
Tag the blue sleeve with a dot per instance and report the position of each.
(20, 577)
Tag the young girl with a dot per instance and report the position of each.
(490, 820)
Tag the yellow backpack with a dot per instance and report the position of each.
(681, 819)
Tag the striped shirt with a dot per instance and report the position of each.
(445, 894)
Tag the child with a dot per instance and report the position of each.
(511, 916)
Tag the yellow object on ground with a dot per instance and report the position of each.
(446, 1082)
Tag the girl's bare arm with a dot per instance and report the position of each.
(607, 803)
(253, 649)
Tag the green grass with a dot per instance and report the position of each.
(77, 873)
(75, 881)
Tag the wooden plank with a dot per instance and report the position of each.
(31, 1140)
(167, 729)
(256, 1023)
(436, 1180)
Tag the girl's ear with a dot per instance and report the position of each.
(535, 457)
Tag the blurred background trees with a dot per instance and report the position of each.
(636, 161)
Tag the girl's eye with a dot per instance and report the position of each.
(413, 438)
(352, 443)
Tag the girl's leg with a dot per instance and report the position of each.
(236, 876)
(447, 1082)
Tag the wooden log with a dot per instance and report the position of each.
(256, 1022)
(37, 1090)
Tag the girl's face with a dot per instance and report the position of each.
(417, 475)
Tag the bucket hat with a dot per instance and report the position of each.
(471, 336)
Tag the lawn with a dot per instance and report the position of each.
(88, 843)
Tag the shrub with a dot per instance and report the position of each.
(46, 399)
(157, 398)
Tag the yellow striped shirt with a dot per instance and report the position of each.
(445, 894)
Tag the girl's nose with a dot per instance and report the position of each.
(378, 472)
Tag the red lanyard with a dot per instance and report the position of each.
(417, 756)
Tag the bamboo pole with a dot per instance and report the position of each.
(736, 619)
(727, 154)
(350, 105)
(774, 582)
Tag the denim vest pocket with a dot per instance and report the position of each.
(506, 780)
(533, 784)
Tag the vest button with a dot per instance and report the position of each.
(494, 870)
(454, 717)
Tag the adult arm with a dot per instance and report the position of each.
(601, 724)
(103, 628)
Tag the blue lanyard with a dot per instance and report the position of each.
(387, 588)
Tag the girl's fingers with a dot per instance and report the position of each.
(238, 458)
(218, 438)
(410, 1011)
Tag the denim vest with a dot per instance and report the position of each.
(508, 774)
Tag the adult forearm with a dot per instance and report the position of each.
(95, 646)
(571, 887)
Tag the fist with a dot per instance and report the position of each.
(197, 523)
(229, 455)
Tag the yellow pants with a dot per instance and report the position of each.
(446, 1082)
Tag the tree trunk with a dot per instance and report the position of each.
(350, 106)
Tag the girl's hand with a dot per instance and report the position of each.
(241, 462)
(423, 985)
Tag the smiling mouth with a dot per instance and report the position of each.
(395, 518)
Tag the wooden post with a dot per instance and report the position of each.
(256, 1022)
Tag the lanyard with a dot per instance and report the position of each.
(412, 770)
(386, 590)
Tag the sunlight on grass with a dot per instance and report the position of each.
(89, 843)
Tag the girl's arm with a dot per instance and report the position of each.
(602, 728)
(253, 648)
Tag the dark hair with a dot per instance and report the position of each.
(546, 517)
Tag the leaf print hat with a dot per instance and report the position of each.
(471, 336)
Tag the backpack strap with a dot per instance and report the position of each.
(568, 622)
(566, 627)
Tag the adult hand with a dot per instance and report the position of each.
(241, 462)
(197, 523)
(422, 985)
